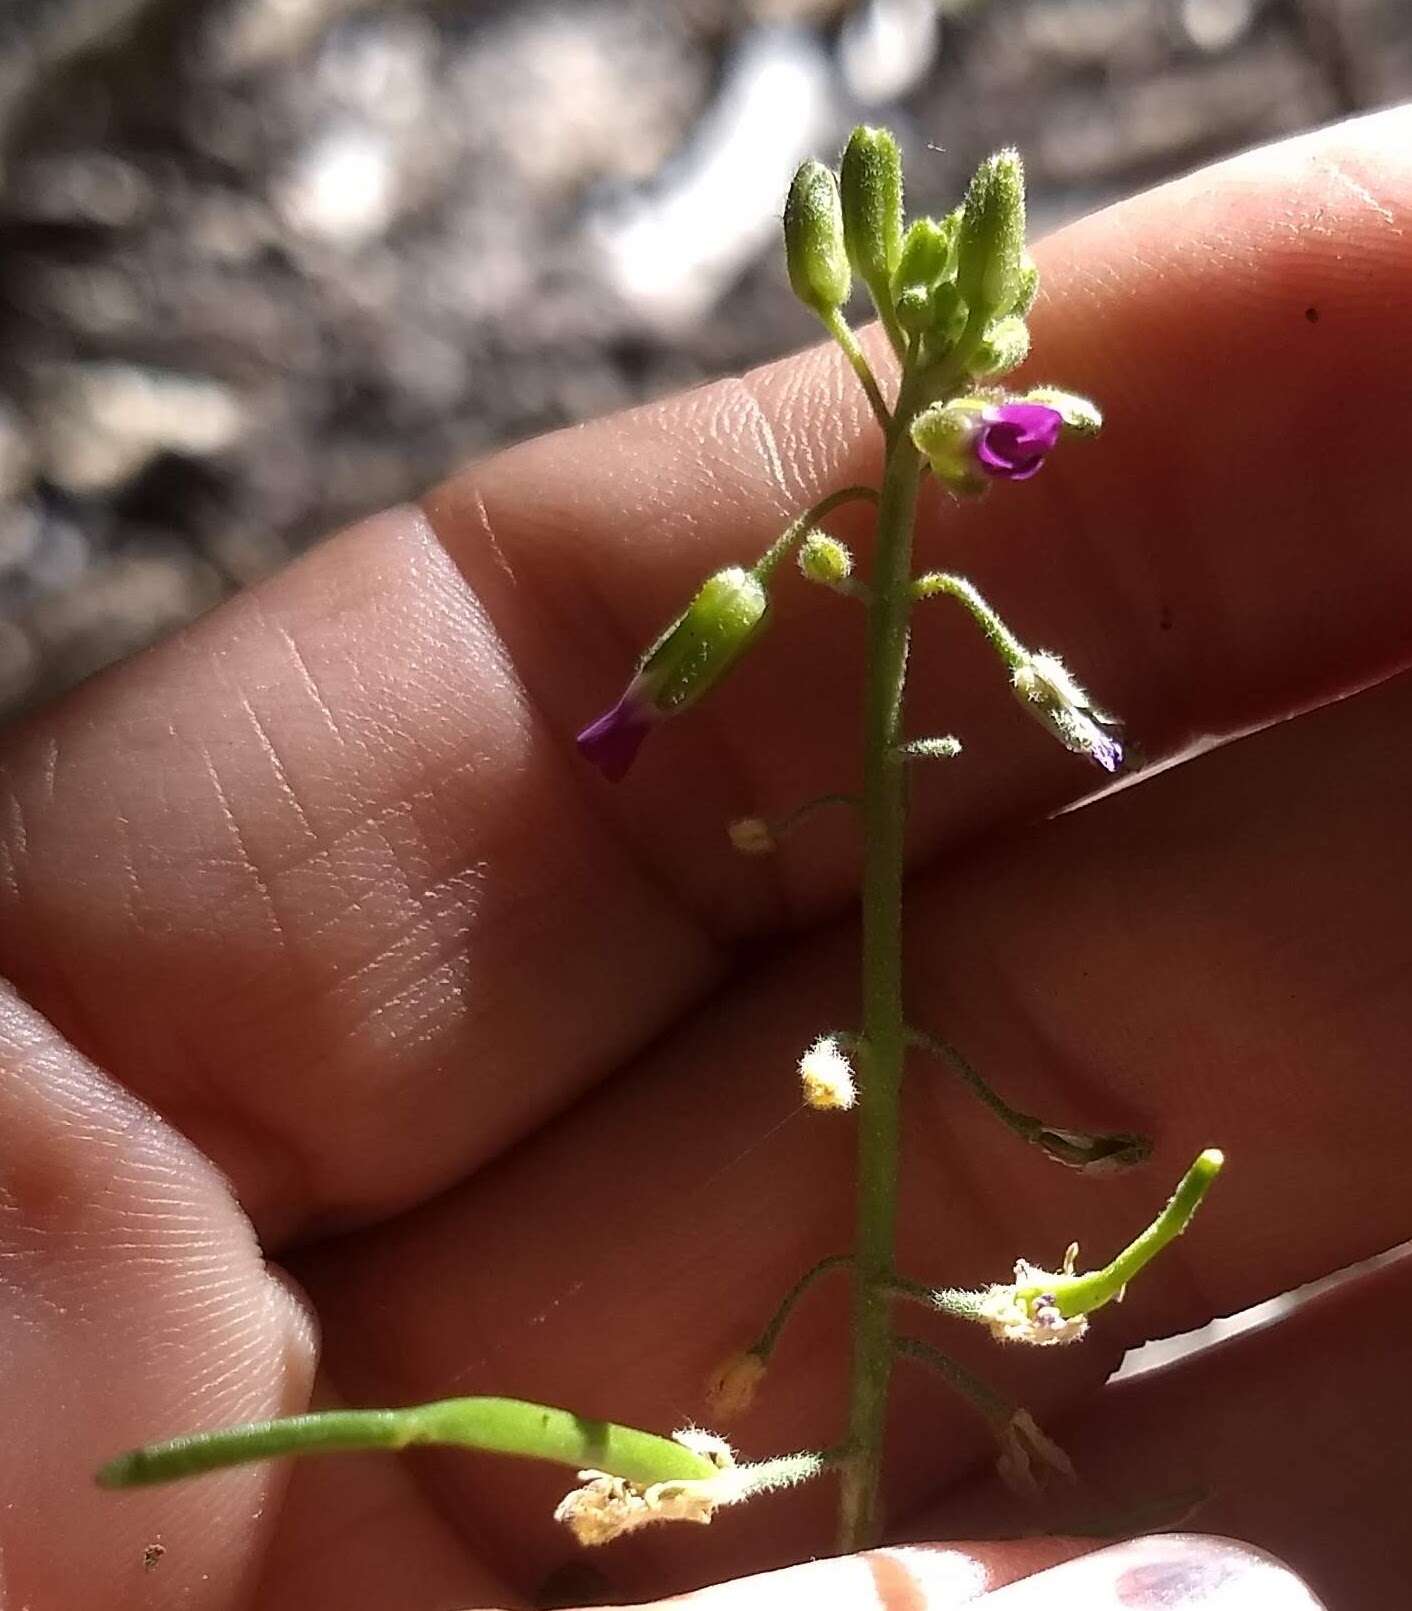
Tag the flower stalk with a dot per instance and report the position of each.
(952, 295)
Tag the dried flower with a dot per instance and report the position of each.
(827, 1076)
(612, 741)
(1022, 1442)
(1047, 691)
(751, 836)
(1018, 1313)
(733, 1386)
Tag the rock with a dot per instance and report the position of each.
(100, 423)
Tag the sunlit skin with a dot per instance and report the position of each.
(500, 1060)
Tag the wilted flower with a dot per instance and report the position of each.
(688, 660)
(751, 836)
(1047, 691)
(1021, 1443)
(734, 1384)
(1018, 1313)
(612, 741)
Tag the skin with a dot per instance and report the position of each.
(320, 934)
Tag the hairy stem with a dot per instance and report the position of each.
(800, 527)
(839, 328)
(764, 1345)
(883, 1044)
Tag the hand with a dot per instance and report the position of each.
(498, 1059)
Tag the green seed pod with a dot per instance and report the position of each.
(813, 240)
(870, 179)
(697, 650)
(1005, 346)
(991, 244)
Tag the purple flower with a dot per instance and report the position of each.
(1014, 438)
(611, 743)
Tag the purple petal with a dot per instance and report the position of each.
(1014, 438)
(1107, 751)
(612, 742)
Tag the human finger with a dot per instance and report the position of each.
(322, 880)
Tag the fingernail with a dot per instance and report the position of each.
(1169, 1572)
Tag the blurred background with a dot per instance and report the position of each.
(268, 264)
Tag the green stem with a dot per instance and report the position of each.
(1107, 1151)
(764, 1345)
(842, 332)
(882, 1047)
(997, 634)
(780, 826)
(998, 1412)
(495, 1425)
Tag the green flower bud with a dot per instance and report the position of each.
(1005, 346)
(813, 240)
(825, 560)
(945, 435)
(991, 244)
(948, 312)
(870, 179)
(1029, 285)
(1079, 415)
(697, 650)
(926, 252)
(913, 307)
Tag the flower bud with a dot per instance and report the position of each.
(688, 660)
(1005, 346)
(1029, 286)
(913, 307)
(870, 179)
(948, 312)
(926, 252)
(697, 650)
(1049, 694)
(813, 240)
(825, 560)
(1078, 414)
(991, 243)
(945, 434)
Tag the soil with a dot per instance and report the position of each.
(268, 264)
